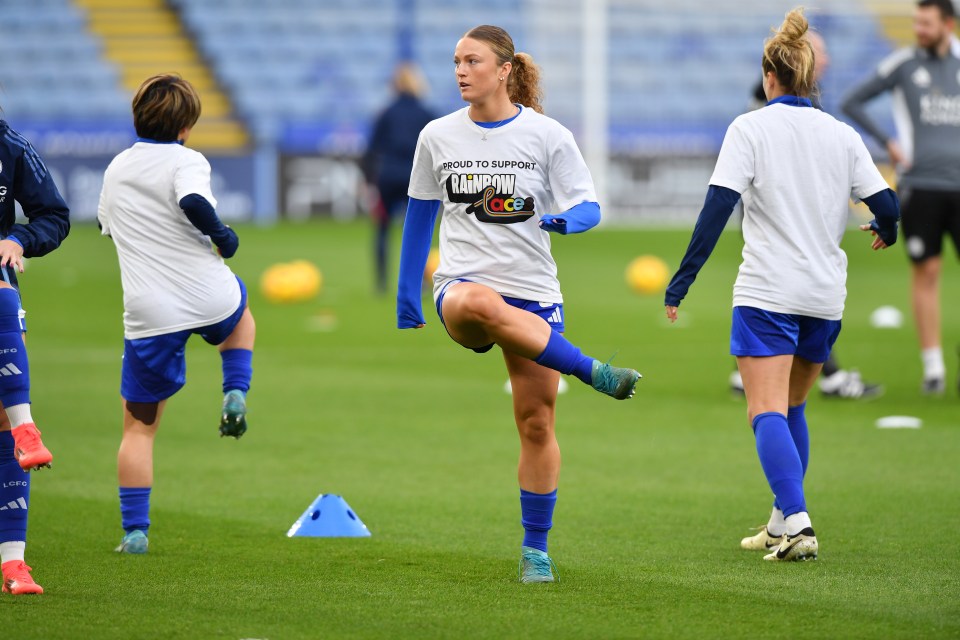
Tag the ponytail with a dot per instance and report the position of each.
(524, 83)
(789, 54)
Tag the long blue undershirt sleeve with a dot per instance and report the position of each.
(713, 218)
(885, 206)
(576, 219)
(414, 251)
(203, 216)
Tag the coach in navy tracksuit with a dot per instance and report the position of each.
(23, 179)
(388, 159)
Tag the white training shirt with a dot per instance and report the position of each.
(493, 193)
(796, 168)
(172, 277)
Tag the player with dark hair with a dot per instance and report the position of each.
(158, 208)
(495, 168)
(925, 83)
(796, 168)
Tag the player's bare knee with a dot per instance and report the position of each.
(536, 427)
(479, 306)
(4, 285)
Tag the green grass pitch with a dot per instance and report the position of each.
(417, 434)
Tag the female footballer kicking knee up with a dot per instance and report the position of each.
(158, 208)
(23, 179)
(494, 168)
(796, 168)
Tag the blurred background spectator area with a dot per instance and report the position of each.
(290, 87)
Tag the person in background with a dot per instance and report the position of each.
(388, 160)
(925, 82)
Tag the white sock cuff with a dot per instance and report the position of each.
(12, 550)
(798, 522)
(19, 414)
(776, 525)
(933, 365)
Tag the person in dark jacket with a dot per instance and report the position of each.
(23, 179)
(388, 159)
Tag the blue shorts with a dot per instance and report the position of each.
(155, 368)
(756, 332)
(551, 312)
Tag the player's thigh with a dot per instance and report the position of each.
(534, 390)
(815, 340)
(243, 335)
(466, 308)
(923, 223)
(154, 368)
(803, 375)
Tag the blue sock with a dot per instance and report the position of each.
(14, 493)
(135, 508)
(561, 355)
(797, 422)
(237, 369)
(536, 516)
(780, 461)
(14, 368)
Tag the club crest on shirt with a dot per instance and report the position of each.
(490, 197)
(921, 78)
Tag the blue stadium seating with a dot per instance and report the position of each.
(52, 68)
(293, 63)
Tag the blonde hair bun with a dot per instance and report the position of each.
(788, 53)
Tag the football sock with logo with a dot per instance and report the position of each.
(135, 508)
(563, 356)
(536, 516)
(780, 461)
(14, 500)
(14, 368)
(237, 369)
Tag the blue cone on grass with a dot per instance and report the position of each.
(329, 517)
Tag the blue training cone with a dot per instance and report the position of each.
(329, 517)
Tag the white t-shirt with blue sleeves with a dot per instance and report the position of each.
(173, 279)
(796, 169)
(493, 193)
